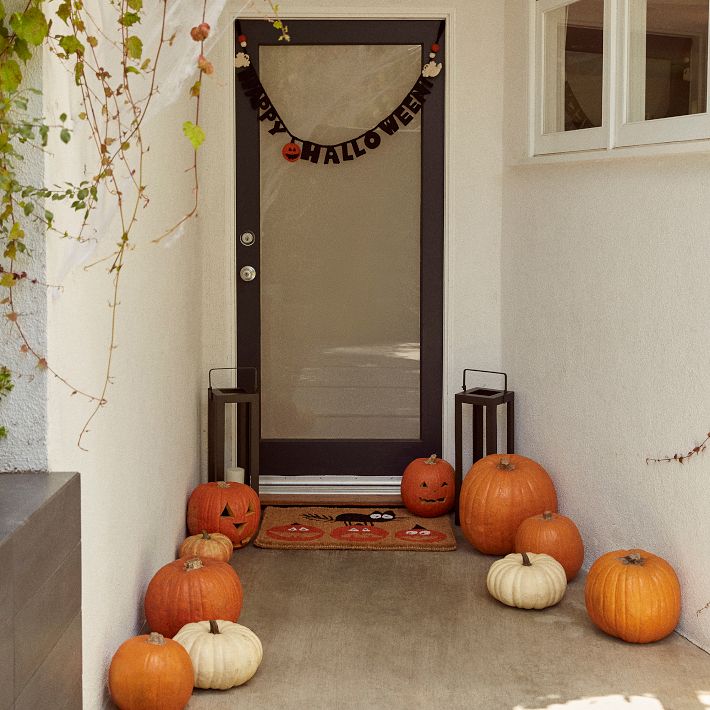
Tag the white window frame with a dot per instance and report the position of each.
(615, 131)
(659, 130)
(564, 141)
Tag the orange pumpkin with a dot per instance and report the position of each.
(633, 595)
(498, 493)
(150, 672)
(226, 507)
(211, 547)
(555, 535)
(192, 589)
(428, 487)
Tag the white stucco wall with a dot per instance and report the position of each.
(143, 447)
(473, 187)
(605, 301)
(24, 410)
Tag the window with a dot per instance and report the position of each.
(614, 73)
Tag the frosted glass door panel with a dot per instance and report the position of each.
(340, 249)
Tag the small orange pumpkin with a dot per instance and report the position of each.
(192, 589)
(150, 672)
(428, 487)
(633, 595)
(498, 493)
(208, 546)
(227, 507)
(555, 535)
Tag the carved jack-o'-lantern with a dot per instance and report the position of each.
(295, 531)
(359, 533)
(291, 151)
(226, 507)
(420, 534)
(428, 487)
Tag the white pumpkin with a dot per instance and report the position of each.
(223, 654)
(527, 580)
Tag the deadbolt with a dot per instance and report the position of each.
(247, 273)
(247, 239)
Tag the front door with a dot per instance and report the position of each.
(340, 243)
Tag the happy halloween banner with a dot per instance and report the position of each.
(356, 147)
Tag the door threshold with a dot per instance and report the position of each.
(330, 490)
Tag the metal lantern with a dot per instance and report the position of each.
(238, 442)
(484, 402)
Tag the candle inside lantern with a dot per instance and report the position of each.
(235, 474)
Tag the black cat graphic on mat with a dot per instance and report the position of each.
(355, 518)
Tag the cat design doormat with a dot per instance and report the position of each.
(315, 528)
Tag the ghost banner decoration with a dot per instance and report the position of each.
(298, 149)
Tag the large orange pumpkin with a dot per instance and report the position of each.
(555, 535)
(428, 487)
(226, 507)
(498, 493)
(192, 589)
(150, 672)
(633, 595)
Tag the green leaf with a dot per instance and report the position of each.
(277, 24)
(134, 47)
(65, 135)
(194, 134)
(64, 11)
(132, 70)
(71, 45)
(31, 25)
(129, 18)
(136, 5)
(7, 280)
(10, 75)
(22, 50)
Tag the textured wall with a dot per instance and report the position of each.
(143, 448)
(604, 333)
(24, 410)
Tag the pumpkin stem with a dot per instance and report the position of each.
(431, 459)
(547, 515)
(526, 560)
(222, 484)
(214, 629)
(633, 559)
(193, 563)
(156, 639)
(505, 465)
(206, 535)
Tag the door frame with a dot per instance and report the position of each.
(225, 96)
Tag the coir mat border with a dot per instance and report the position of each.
(321, 528)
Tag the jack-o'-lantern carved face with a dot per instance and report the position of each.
(420, 534)
(291, 151)
(428, 487)
(359, 533)
(295, 531)
(230, 508)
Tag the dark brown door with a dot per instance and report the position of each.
(341, 311)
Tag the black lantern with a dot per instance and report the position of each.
(238, 442)
(485, 403)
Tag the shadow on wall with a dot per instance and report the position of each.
(647, 701)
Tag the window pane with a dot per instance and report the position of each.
(573, 66)
(668, 58)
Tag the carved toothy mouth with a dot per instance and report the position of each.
(432, 500)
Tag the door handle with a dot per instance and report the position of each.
(247, 273)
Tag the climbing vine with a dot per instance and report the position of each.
(115, 74)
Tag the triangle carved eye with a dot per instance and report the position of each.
(226, 513)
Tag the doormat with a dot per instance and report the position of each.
(315, 528)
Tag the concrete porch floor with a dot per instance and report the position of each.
(403, 630)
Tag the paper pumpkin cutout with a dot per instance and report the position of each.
(431, 69)
(242, 60)
(291, 151)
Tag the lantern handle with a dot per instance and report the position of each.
(490, 372)
(253, 370)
